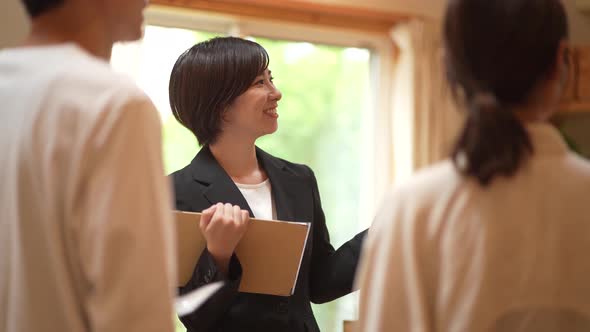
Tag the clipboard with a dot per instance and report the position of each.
(270, 253)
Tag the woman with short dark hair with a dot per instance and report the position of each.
(222, 91)
(495, 238)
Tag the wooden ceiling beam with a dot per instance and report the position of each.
(358, 19)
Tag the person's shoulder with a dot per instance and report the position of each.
(410, 202)
(182, 178)
(579, 165)
(87, 89)
(92, 78)
(100, 103)
(430, 180)
(295, 169)
(424, 189)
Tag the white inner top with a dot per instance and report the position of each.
(259, 197)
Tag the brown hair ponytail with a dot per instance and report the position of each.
(496, 52)
(492, 142)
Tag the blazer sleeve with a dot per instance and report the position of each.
(332, 271)
(208, 317)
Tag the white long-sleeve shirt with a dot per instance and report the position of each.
(86, 238)
(445, 254)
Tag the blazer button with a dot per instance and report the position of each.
(283, 307)
(208, 277)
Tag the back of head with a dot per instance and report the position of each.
(497, 52)
(37, 7)
(94, 25)
(208, 77)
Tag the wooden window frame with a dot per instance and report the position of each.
(359, 19)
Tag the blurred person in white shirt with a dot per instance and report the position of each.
(496, 237)
(86, 230)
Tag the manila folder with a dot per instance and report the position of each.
(270, 253)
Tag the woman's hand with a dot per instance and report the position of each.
(223, 226)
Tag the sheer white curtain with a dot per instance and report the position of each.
(424, 118)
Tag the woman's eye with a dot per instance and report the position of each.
(272, 79)
(261, 82)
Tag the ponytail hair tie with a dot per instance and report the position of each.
(485, 100)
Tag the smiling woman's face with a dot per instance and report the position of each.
(254, 113)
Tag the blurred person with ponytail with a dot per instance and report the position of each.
(495, 238)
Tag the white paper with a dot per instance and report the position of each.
(187, 303)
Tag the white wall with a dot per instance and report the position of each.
(14, 23)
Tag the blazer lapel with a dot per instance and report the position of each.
(219, 187)
(287, 188)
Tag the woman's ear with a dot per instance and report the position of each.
(225, 115)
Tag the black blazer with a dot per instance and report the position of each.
(325, 273)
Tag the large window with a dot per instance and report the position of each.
(323, 121)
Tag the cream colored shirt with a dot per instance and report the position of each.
(445, 254)
(86, 238)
